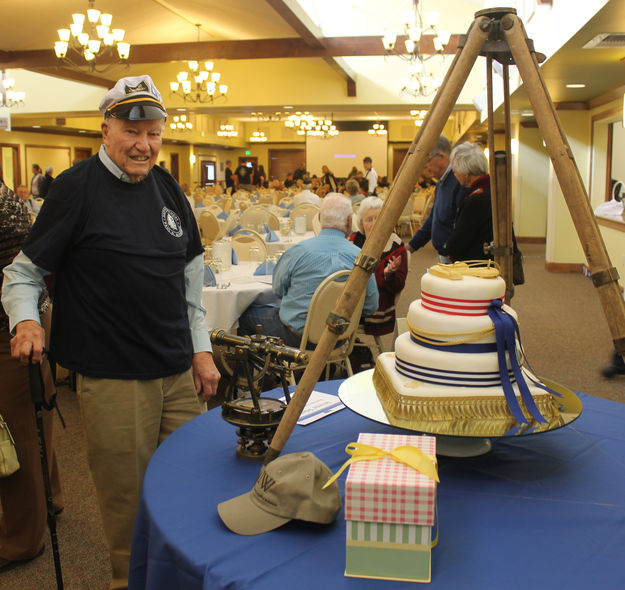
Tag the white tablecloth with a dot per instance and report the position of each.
(225, 306)
(281, 245)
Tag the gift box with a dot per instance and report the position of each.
(390, 512)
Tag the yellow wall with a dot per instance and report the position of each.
(46, 149)
(563, 246)
(530, 185)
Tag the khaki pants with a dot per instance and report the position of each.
(124, 422)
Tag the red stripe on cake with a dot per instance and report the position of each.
(449, 312)
(449, 306)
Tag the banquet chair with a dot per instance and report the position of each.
(419, 218)
(405, 217)
(209, 227)
(316, 223)
(256, 215)
(215, 209)
(307, 210)
(322, 303)
(243, 240)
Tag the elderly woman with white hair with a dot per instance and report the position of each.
(474, 219)
(391, 273)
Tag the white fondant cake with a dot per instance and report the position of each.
(447, 366)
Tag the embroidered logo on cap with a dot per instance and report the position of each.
(140, 87)
(171, 222)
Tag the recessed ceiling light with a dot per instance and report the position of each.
(287, 107)
(576, 85)
(527, 114)
(82, 131)
(36, 126)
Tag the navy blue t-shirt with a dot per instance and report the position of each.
(118, 251)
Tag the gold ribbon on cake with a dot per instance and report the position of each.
(485, 269)
(406, 454)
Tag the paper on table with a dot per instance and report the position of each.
(319, 405)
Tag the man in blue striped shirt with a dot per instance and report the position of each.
(300, 271)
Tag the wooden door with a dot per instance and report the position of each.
(398, 157)
(283, 161)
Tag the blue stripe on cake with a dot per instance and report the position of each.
(444, 377)
(469, 348)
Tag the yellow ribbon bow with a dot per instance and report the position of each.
(408, 455)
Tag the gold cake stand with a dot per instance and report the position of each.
(465, 437)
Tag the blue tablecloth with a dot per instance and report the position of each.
(544, 511)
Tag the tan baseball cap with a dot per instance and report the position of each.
(287, 488)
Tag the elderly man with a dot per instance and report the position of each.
(22, 194)
(448, 195)
(121, 238)
(300, 271)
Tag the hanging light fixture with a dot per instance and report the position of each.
(419, 116)
(181, 123)
(306, 124)
(420, 81)
(257, 137)
(377, 129)
(9, 97)
(91, 37)
(200, 83)
(227, 130)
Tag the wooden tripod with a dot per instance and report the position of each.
(500, 33)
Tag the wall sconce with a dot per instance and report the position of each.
(192, 159)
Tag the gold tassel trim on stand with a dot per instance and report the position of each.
(466, 415)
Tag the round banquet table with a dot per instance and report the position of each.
(542, 511)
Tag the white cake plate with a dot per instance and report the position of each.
(359, 395)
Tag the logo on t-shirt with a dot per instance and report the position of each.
(171, 222)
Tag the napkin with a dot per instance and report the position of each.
(209, 277)
(223, 215)
(235, 258)
(235, 229)
(266, 268)
(199, 204)
(271, 236)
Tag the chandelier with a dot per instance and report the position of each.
(420, 81)
(227, 130)
(377, 129)
(258, 136)
(199, 83)
(419, 116)
(9, 97)
(181, 123)
(91, 37)
(306, 124)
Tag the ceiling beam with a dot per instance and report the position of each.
(67, 74)
(244, 49)
(299, 21)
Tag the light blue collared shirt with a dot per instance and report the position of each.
(23, 282)
(301, 269)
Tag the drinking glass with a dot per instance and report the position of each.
(285, 228)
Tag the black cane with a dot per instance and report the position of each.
(37, 396)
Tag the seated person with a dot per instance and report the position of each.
(299, 272)
(306, 196)
(474, 219)
(352, 191)
(390, 275)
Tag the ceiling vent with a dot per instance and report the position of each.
(606, 41)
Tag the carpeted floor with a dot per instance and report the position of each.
(564, 333)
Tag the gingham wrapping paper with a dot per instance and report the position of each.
(388, 491)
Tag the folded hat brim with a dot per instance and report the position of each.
(244, 517)
(138, 111)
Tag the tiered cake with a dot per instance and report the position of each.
(454, 363)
